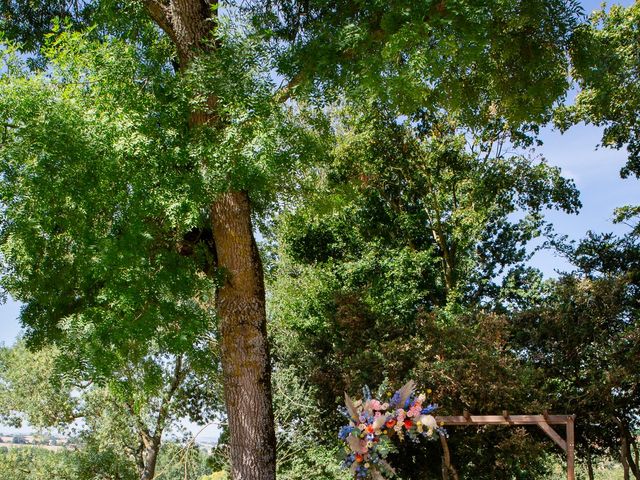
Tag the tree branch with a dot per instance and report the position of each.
(159, 13)
(179, 373)
(284, 93)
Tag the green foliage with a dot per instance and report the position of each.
(353, 303)
(583, 339)
(28, 22)
(299, 419)
(107, 192)
(388, 263)
(37, 387)
(86, 463)
(86, 252)
(453, 204)
(464, 57)
(605, 66)
(32, 463)
(256, 143)
(33, 387)
(106, 232)
(180, 461)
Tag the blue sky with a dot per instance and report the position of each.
(595, 171)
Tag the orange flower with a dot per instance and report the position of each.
(358, 458)
(390, 423)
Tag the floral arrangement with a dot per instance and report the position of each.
(372, 424)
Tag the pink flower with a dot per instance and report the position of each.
(415, 410)
(375, 405)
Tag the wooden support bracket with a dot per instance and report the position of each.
(553, 435)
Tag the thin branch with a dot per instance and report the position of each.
(179, 374)
(284, 93)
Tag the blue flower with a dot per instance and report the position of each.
(366, 393)
(428, 409)
(345, 431)
(408, 402)
(395, 399)
(345, 412)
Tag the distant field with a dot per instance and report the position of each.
(52, 448)
(603, 471)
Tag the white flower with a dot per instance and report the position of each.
(429, 422)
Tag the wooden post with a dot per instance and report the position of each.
(571, 474)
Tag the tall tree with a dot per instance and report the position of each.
(471, 57)
(119, 267)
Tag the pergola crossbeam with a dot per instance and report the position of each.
(502, 420)
(543, 421)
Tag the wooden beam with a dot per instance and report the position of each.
(501, 420)
(553, 435)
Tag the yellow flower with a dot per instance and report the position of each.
(429, 391)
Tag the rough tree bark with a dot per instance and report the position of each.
(240, 300)
(245, 356)
(150, 458)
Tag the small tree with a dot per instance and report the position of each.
(124, 419)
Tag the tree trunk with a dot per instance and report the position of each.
(150, 459)
(625, 451)
(243, 328)
(240, 300)
(633, 465)
(623, 456)
(590, 464)
(636, 454)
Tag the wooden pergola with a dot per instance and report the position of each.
(544, 421)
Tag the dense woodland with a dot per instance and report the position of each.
(234, 212)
